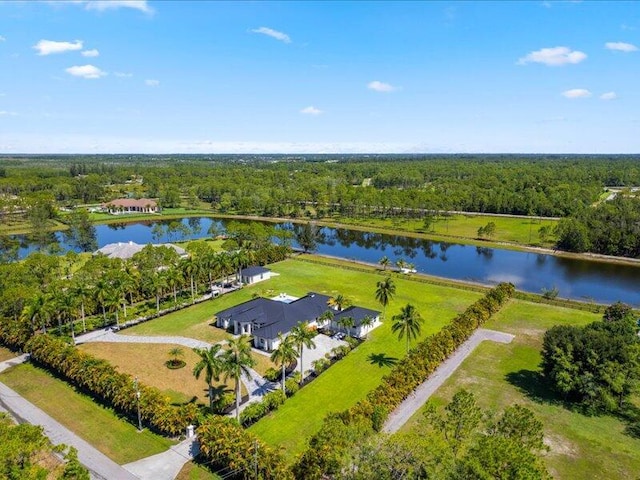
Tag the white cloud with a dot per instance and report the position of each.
(85, 71)
(311, 110)
(123, 74)
(102, 5)
(553, 57)
(381, 87)
(90, 53)
(577, 93)
(2, 39)
(283, 37)
(620, 46)
(4, 113)
(47, 47)
(608, 96)
(152, 83)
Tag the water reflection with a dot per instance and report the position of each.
(578, 279)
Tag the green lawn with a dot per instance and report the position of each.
(6, 354)
(349, 380)
(193, 471)
(501, 375)
(99, 426)
(517, 230)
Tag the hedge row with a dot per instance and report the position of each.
(239, 453)
(421, 361)
(103, 381)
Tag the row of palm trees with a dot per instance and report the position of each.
(384, 262)
(108, 286)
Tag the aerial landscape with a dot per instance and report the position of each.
(319, 240)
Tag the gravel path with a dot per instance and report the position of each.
(421, 394)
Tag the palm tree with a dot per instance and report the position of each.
(81, 290)
(102, 293)
(339, 302)
(157, 282)
(407, 323)
(302, 336)
(366, 322)
(326, 317)
(385, 291)
(284, 355)
(174, 280)
(237, 361)
(346, 323)
(384, 262)
(212, 365)
(35, 309)
(189, 269)
(401, 264)
(66, 303)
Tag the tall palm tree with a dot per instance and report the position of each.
(189, 268)
(302, 336)
(385, 291)
(284, 355)
(35, 309)
(340, 302)
(174, 280)
(211, 364)
(384, 262)
(237, 361)
(408, 323)
(401, 264)
(66, 304)
(156, 283)
(102, 293)
(82, 291)
(365, 323)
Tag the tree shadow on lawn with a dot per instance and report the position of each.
(382, 360)
(533, 385)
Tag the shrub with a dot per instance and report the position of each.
(291, 386)
(274, 399)
(273, 375)
(321, 365)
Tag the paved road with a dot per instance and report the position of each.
(414, 402)
(165, 465)
(100, 466)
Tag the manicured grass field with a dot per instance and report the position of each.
(502, 375)
(350, 379)
(517, 230)
(6, 354)
(102, 428)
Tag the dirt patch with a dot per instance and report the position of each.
(560, 446)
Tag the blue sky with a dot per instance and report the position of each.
(234, 77)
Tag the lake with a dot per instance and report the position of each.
(532, 272)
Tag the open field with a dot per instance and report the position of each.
(113, 436)
(147, 362)
(503, 375)
(6, 354)
(508, 229)
(350, 379)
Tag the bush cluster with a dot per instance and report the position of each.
(102, 380)
(225, 444)
(255, 411)
(402, 380)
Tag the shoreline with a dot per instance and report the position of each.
(593, 257)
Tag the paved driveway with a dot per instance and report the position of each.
(324, 344)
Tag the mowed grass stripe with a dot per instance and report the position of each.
(99, 426)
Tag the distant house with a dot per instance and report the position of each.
(125, 250)
(265, 318)
(254, 274)
(131, 205)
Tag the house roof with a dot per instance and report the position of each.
(271, 317)
(132, 202)
(126, 250)
(253, 271)
(357, 313)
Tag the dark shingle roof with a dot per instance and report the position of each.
(271, 317)
(253, 271)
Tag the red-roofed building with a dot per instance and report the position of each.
(131, 205)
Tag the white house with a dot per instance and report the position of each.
(254, 274)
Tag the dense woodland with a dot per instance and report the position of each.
(356, 186)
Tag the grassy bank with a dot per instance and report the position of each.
(116, 438)
(503, 375)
